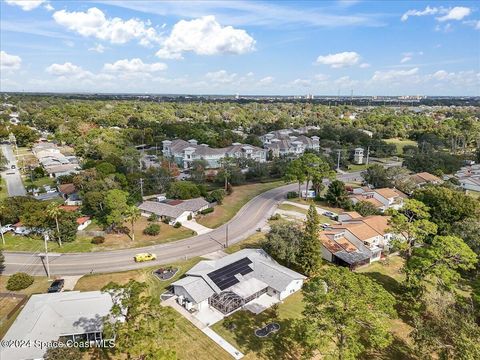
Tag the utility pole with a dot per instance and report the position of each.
(368, 154)
(338, 161)
(1, 232)
(45, 238)
(141, 187)
(226, 236)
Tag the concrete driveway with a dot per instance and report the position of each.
(193, 225)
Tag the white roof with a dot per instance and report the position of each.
(46, 317)
(266, 272)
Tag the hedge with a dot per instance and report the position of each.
(207, 211)
(19, 281)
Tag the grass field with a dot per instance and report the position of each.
(322, 204)
(39, 286)
(3, 189)
(39, 182)
(188, 341)
(245, 322)
(112, 241)
(400, 144)
(232, 203)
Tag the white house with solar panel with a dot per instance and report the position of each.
(249, 278)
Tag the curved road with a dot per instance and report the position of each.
(251, 216)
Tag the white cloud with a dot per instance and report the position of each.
(474, 23)
(66, 69)
(99, 48)
(364, 65)
(406, 58)
(346, 81)
(93, 23)
(26, 5)
(9, 62)
(456, 13)
(427, 11)
(133, 66)
(392, 75)
(321, 77)
(339, 60)
(205, 36)
(440, 75)
(221, 77)
(302, 82)
(266, 80)
(48, 7)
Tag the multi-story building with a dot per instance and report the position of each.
(185, 152)
(289, 142)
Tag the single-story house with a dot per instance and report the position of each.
(174, 210)
(424, 178)
(356, 240)
(383, 199)
(69, 194)
(234, 281)
(83, 222)
(71, 315)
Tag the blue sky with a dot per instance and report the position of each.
(228, 47)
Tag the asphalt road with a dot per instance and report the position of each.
(251, 217)
(12, 177)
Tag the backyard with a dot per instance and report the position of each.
(232, 203)
(400, 144)
(83, 243)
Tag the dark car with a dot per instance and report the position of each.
(13, 167)
(57, 286)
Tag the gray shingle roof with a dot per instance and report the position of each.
(173, 211)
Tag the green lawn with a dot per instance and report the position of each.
(39, 182)
(112, 241)
(188, 341)
(289, 207)
(39, 286)
(400, 144)
(3, 189)
(245, 323)
(232, 203)
(322, 204)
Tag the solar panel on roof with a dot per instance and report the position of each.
(225, 276)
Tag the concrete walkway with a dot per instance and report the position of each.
(193, 225)
(294, 214)
(70, 282)
(224, 344)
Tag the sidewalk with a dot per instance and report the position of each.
(193, 225)
(224, 344)
(306, 207)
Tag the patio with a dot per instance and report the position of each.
(261, 304)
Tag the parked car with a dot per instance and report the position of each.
(329, 214)
(6, 228)
(325, 225)
(12, 167)
(56, 286)
(145, 257)
(22, 230)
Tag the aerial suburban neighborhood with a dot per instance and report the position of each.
(177, 180)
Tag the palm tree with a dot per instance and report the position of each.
(132, 215)
(53, 211)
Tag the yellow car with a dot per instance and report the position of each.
(145, 257)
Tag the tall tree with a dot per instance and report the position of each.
(138, 322)
(346, 315)
(440, 262)
(283, 242)
(337, 194)
(316, 169)
(132, 214)
(2, 262)
(296, 172)
(309, 257)
(53, 212)
(411, 226)
(115, 207)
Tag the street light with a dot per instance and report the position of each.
(46, 237)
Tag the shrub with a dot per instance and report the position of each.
(177, 225)
(292, 195)
(19, 281)
(152, 230)
(189, 217)
(216, 195)
(275, 217)
(153, 218)
(229, 189)
(165, 221)
(97, 240)
(207, 211)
